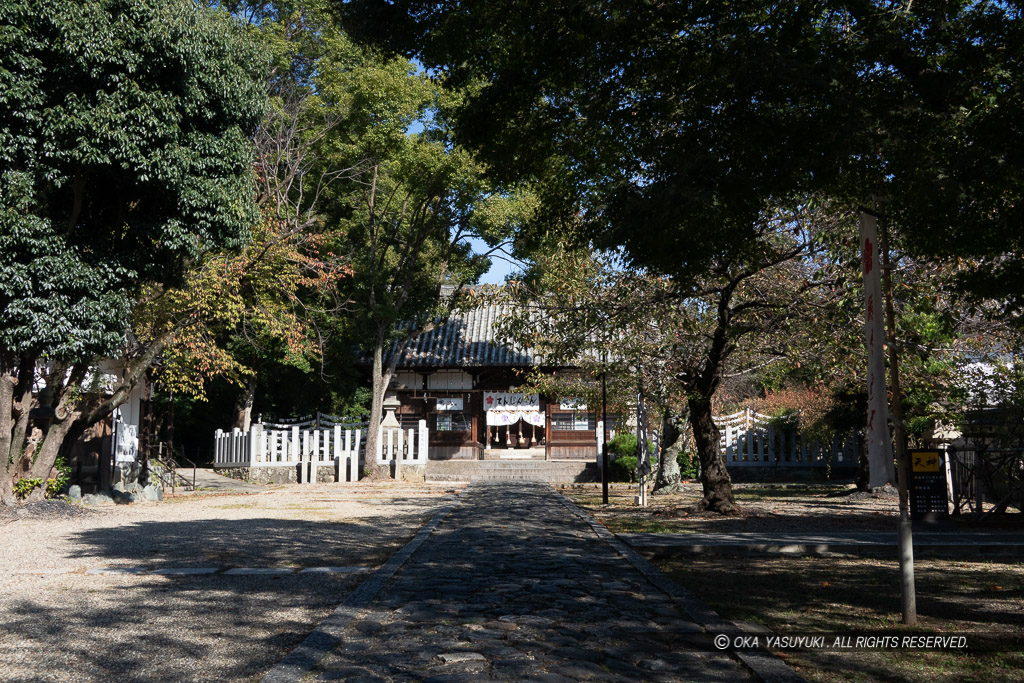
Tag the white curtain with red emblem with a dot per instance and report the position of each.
(501, 418)
(507, 408)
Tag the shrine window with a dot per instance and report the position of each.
(573, 422)
(453, 421)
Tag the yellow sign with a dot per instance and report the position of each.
(924, 461)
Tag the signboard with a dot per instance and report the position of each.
(127, 443)
(928, 499)
(925, 461)
(449, 403)
(508, 401)
(571, 404)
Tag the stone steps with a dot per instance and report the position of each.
(560, 472)
(515, 453)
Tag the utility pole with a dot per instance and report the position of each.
(906, 541)
(604, 429)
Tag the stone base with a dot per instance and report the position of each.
(463, 452)
(767, 473)
(499, 470)
(325, 474)
(412, 473)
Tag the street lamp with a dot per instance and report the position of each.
(604, 427)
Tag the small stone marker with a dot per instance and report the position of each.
(153, 493)
(98, 498)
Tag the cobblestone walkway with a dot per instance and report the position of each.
(514, 587)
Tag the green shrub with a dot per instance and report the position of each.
(623, 468)
(623, 449)
(25, 486)
(57, 484)
(54, 485)
(689, 465)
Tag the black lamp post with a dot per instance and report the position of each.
(604, 429)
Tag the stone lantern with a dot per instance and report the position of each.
(390, 405)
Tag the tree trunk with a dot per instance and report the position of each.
(714, 476)
(17, 392)
(63, 423)
(15, 405)
(669, 479)
(243, 406)
(7, 419)
(7, 496)
(8, 451)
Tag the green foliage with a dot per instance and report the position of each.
(125, 154)
(623, 468)
(781, 100)
(54, 485)
(57, 484)
(23, 487)
(623, 449)
(267, 308)
(999, 386)
(624, 444)
(355, 403)
(689, 465)
(125, 151)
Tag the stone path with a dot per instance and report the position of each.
(208, 481)
(514, 586)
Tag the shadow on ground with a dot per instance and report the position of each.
(88, 627)
(513, 586)
(861, 596)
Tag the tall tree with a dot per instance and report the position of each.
(419, 200)
(686, 335)
(302, 147)
(125, 148)
(274, 301)
(676, 124)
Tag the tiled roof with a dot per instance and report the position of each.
(467, 339)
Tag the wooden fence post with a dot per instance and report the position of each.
(424, 445)
(255, 437)
(339, 469)
(354, 455)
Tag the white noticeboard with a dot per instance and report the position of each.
(571, 404)
(449, 403)
(127, 443)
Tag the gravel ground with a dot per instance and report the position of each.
(763, 508)
(59, 622)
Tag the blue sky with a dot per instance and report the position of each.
(501, 266)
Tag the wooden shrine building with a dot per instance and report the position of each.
(462, 381)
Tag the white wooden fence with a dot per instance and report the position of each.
(311, 447)
(403, 446)
(306, 449)
(750, 440)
